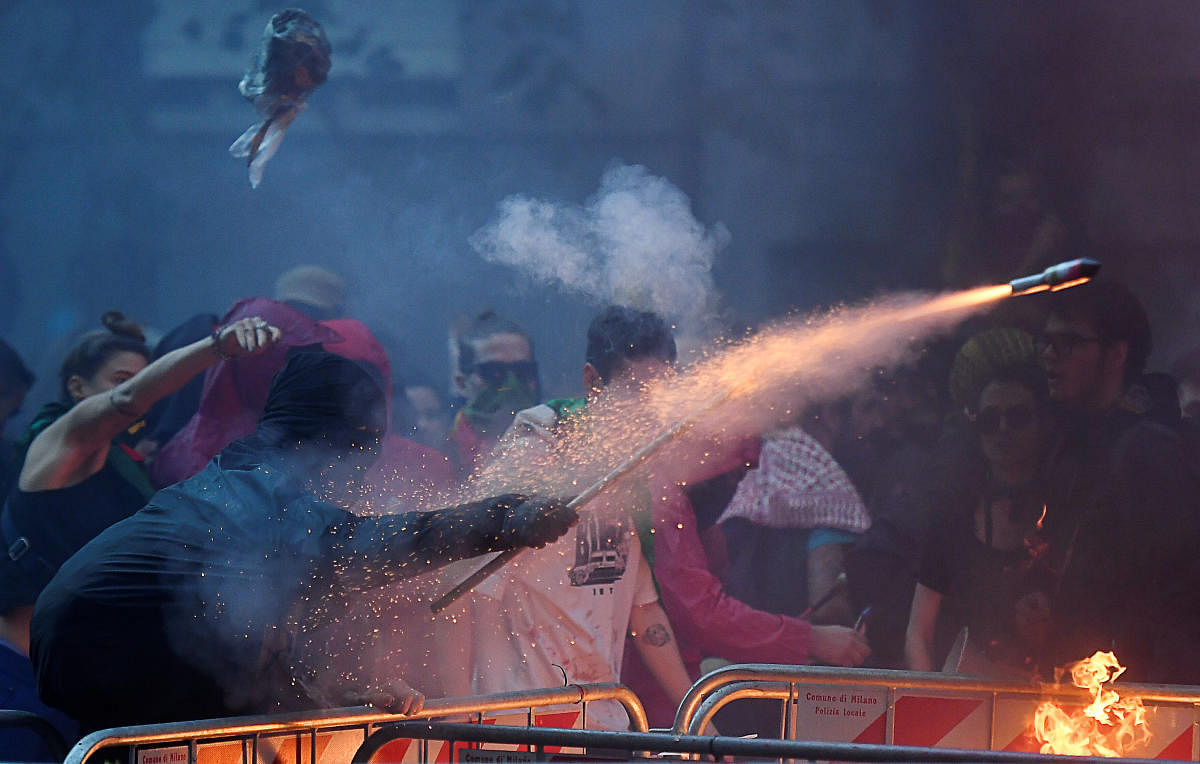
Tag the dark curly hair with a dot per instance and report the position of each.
(1115, 313)
(620, 334)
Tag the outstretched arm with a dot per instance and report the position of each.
(721, 625)
(75, 446)
(376, 550)
(702, 611)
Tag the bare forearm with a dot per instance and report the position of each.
(164, 376)
(658, 649)
(171, 372)
(916, 653)
(918, 638)
(74, 446)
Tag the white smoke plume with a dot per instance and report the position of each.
(635, 242)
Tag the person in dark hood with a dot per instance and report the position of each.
(197, 606)
(81, 470)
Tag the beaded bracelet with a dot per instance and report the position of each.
(216, 345)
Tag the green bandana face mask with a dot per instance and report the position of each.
(492, 410)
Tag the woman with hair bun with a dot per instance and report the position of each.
(80, 472)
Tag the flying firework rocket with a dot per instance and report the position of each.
(754, 367)
(1057, 277)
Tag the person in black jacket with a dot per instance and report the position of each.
(195, 606)
(1122, 501)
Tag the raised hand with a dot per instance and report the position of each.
(245, 336)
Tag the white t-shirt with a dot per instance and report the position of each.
(566, 605)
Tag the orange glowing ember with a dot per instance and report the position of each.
(1069, 284)
(1109, 726)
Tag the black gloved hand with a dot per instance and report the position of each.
(534, 520)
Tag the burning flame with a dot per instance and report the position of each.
(1109, 726)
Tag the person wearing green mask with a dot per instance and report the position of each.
(495, 376)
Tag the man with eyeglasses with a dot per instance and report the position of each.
(1123, 501)
(1083, 369)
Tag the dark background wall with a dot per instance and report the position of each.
(840, 143)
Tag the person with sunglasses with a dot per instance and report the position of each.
(985, 571)
(495, 376)
(567, 612)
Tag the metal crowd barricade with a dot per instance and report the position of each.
(904, 708)
(825, 714)
(545, 744)
(333, 735)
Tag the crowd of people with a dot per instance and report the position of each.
(222, 509)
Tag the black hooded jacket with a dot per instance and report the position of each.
(188, 609)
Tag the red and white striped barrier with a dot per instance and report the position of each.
(928, 719)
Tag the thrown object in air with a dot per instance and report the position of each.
(292, 61)
(1056, 277)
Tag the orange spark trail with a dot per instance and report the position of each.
(764, 379)
(743, 390)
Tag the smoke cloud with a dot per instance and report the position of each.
(635, 242)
